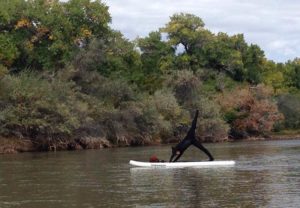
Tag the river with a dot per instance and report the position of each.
(266, 174)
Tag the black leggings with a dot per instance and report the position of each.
(201, 147)
(190, 139)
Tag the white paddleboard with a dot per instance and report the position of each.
(182, 164)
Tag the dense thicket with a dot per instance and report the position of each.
(67, 80)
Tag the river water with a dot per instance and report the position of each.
(267, 174)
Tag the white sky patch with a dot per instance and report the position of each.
(272, 24)
(285, 47)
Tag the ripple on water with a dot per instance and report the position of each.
(267, 174)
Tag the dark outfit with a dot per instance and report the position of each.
(190, 139)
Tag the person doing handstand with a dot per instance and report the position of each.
(190, 139)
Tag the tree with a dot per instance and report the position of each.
(182, 29)
(157, 58)
(292, 75)
(273, 75)
(187, 30)
(155, 53)
(185, 86)
(43, 34)
(110, 56)
(225, 54)
(289, 105)
(253, 62)
(220, 52)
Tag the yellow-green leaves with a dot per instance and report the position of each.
(183, 29)
(8, 50)
(42, 34)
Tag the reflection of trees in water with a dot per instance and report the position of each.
(223, 187)
(152, 186)
(284, 178)
(267, 174)
(200, 187)
(249, 188)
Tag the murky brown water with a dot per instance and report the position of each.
(267, 174)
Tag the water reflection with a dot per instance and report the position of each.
(200, 187)
(267, 174)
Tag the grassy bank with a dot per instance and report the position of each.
(285, 134)
(17, 145)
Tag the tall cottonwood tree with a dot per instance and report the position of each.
(44, 34)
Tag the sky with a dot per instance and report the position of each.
(274, 25)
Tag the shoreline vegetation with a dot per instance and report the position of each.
(69, 81)
(17, 145)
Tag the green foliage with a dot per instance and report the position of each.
(187, 30)
(157, 59)
(185, 86)
(8, 51)
(113, 56)
(167, 105)
(221, 52)
(89, 84)
(293, 73)
(114, 92)
(38, 108)
(225, 53)
(154, 53)
(3, 71)
(182, 29)
(289, 105)
(212, 127)
(273, 75)
(253, 61)
(188, 91)
(43, 34)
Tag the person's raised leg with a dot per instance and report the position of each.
(191, 132)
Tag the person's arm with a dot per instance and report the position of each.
(172, 156)
(178, 156)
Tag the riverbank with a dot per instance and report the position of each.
(17, 145)
(285, 135)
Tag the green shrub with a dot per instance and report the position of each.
(166, 104)
(212, 127)
(289, 105)
(185, 85)
(35, 108)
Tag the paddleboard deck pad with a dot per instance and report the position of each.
(182, 164)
